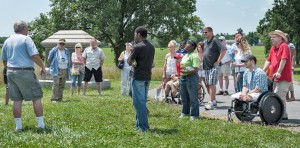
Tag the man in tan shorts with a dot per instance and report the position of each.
(225, 70)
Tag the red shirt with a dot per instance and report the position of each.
(178, 68)
(275, 56)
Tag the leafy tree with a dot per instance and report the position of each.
(285, 16)
(253, 38)
(114, 21)
(2, 39)
(240, 31)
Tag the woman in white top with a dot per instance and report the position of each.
(77, 68)
(200, 47)
(126, 68)
(170, 63)
(243, 49)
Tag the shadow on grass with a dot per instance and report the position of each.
(163, 131)
(46, 130)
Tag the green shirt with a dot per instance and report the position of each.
(190, 60)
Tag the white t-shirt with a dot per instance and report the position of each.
(93, 57)
(170, 65)
(62, 60)
(238, 57)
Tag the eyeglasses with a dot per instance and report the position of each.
(61, 43)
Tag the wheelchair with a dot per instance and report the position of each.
(177, 98)
(269, 107)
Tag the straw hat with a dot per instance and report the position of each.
(279, 33)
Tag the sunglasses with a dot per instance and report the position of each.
(61, 43)
(238, 43)
(78, 47)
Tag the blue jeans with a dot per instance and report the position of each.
(77, 78)
(139, 96)
(189, 95)
(239, 83)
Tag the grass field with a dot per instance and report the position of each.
(109, 121)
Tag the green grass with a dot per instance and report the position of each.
(109, 121)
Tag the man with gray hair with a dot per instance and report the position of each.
(19, 54)
(94, 59)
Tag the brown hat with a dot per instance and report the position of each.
(62, 40)
(279, 33)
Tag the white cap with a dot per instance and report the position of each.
(221, 38)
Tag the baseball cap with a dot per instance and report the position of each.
(237, 35)
(249, 57)
(222, 38)
(128, 44)
(62, 40)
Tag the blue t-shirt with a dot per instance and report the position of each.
(17, 51)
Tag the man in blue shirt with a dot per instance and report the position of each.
(255, 81)
(19, 54)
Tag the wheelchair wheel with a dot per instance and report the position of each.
(271, 109)
(245, 111)
(201, 93)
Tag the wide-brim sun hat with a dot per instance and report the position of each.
(279, 33)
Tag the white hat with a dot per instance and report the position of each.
(128, 44)
(221, 38)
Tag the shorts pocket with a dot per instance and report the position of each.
(37, 92)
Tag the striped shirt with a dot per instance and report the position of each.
(258, 80)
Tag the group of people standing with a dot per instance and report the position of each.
(215, 61)
(79, 65)
(184, 68)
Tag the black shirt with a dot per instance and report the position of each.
(212, 51)
(143, 54)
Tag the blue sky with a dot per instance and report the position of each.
(224, 16)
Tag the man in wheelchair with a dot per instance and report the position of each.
(255, 81)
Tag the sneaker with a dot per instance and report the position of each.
(183, 115)
(209, 106)
(54, 100)
(225, 93)
(285, 116)
(215, 103)
(194, 118)
(18, 130)
(220, 93)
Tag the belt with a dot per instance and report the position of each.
(20, 68)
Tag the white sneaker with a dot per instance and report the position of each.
(183, 115)
(209, 106)
(194, 118)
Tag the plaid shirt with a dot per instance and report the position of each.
(258, 80)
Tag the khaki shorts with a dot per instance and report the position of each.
(174, 83)
(23, 85)
(225, 70)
